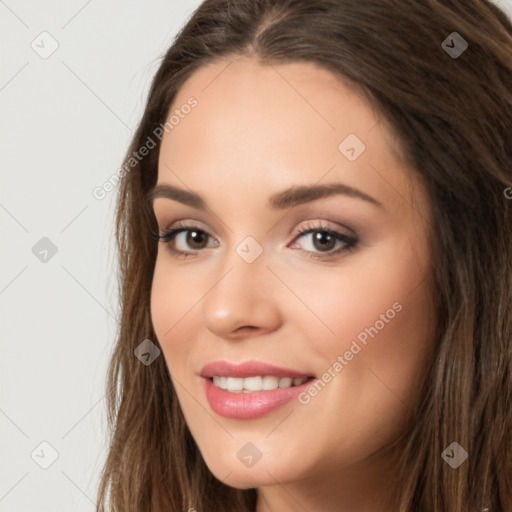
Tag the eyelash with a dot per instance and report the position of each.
(350, 242)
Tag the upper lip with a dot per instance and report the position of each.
(248, 369)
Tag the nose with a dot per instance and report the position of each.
(242, 300)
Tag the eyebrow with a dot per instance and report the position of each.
(285, 199)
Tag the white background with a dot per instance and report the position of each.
(66, 122)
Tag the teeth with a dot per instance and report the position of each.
(259, 383)
(270, 383)
(253, 383)
(285, 382)
(235, 384)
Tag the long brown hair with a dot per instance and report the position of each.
(452, 115)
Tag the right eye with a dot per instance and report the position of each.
(185, 241)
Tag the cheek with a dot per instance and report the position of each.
(399, 354)
(171, 301)
(380, 318)
(174, 292)
(162, 304)
(383, 289)
(384, 335)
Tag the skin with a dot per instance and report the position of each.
(258, 130)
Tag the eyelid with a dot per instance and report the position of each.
(191, 224)
(319, 225)
(350, 242)
(184, 224)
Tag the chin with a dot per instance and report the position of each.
(245, 479)
(235, 474)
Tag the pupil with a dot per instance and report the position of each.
(323, 234)
(194, 237)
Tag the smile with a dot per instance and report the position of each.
(258, 383)
(251, 389)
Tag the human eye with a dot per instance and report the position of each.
(324, 241)
(179, 238)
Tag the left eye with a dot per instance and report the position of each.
(323, 242)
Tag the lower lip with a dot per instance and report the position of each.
(247, 406)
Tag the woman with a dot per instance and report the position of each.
(315, 239)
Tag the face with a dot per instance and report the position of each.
(325, 287)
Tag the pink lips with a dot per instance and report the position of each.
(248, 405)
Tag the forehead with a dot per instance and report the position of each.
(281, 123)
(240, 93)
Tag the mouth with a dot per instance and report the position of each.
(251, 389)
(256, 383)
(250, 369)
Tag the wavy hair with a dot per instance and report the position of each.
(452, 116)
